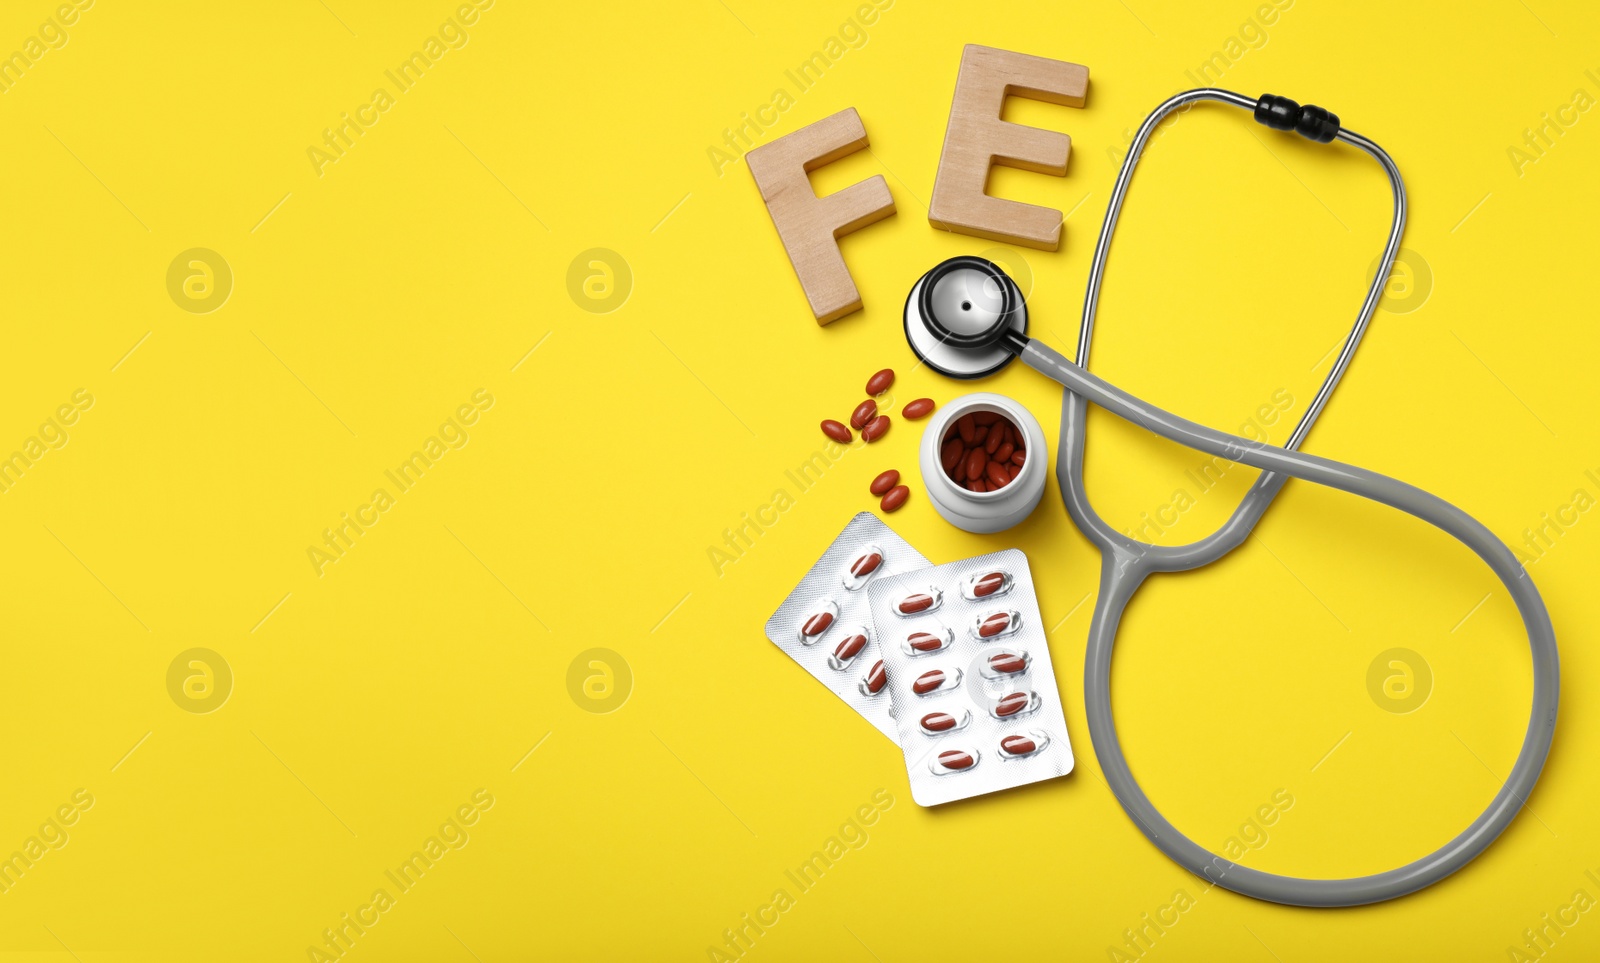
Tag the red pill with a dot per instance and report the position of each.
(928, 682)
(850, 647)
(1012, 471)
(975, 464)
(996, 474)
(984, 418)
(818, 624)
(988, 585)
(966, 428)
(866, 565)
(837, 432)
(884, 482)
(895, 498)
(956, 760)
(938, 722)
(865, 412)
(925, 641)
(880, 382)
(1019, 457)
(920, 408)
(875, 429)
(1011, 704)
(912, 604)
(1007, 663)
(995, 440)
(875, 679)
(1003, 453)
(1018, 745)
(980, 435)
(994, 625)
(948, 456)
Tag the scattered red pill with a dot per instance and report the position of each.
(895, 497)
(837, 432)
(880, 382)
(865, 412)
(884, 482)
(919, 408)
(875, 429)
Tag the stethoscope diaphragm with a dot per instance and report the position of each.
(952, 312)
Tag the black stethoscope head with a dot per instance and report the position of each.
(960, 318)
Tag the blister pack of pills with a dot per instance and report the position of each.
(974, 693)
(825, 623)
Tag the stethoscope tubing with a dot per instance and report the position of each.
(1127, 562)
(1124, 569)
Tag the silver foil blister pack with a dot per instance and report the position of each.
(826, 624)
(975, 696)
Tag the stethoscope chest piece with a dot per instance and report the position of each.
(951, 314)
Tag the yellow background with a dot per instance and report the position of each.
(372, 700)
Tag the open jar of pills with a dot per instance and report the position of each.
(984, 462)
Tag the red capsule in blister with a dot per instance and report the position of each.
(927, 643)
(1015, 704)
(936, 680)
(873, 682)
(1018, 745)
(1005, 663)
(987, 585)
(1025, 744)
(954, 760)
(864, 566)
(818, 622)
(848, 648)
(996, 624)
(936, 722)
(919, 602)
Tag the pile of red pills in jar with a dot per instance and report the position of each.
(983, 451)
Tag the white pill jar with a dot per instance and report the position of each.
(984, 512)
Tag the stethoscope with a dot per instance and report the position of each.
(967, 319)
